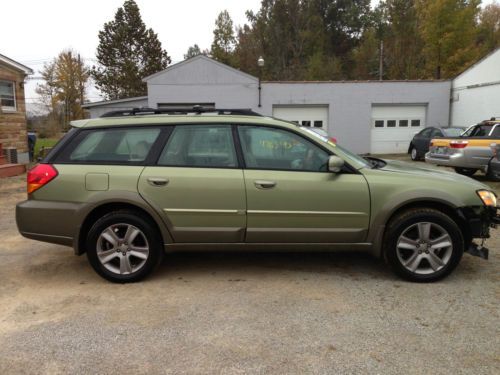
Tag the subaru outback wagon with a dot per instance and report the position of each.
(130, 186)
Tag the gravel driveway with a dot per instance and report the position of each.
(240, 313)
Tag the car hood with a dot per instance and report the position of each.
(422, 170)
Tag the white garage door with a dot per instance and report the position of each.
(313, 116)
(393, 127)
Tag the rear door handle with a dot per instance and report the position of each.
(158, 181)
(264, 184)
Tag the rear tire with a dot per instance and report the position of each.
(414, 154)
(423, 245)
(466, 171)
(124, 246)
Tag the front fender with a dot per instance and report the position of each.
(391, 191)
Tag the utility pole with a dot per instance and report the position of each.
(381, 61)
(260, 64)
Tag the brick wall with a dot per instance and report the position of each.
(13, 124)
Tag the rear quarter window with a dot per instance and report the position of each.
(496, 132)
(482, 130)
(127, 146)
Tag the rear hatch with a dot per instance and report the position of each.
(480, 136)
(446, 146)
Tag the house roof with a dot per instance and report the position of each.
(478, 62)
(116, 101)
(14, 64)
(199, 57)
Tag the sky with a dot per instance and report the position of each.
(40, 29)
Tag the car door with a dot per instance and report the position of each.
(422, 139)
(292, 198)
(435, 133)
(198, 186)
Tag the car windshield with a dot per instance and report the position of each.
(452, 132)
(361, 162)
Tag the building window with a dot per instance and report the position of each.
(391, 123)
(403, 123)
(379, 123)
(318, 124)
(306, 123)
(415, 123)
(8, 95)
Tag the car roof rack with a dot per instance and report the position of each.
(495, 119)
(197, 109)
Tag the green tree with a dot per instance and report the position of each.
(402, 41)
(127, 52)
(247, 50)
(224, 39)
(344, 22)
(289, 34)
(193, 51)
(448, 29)
(64, 88)
(366, 56)
(324, 68)
(303, 39)
(489, 28)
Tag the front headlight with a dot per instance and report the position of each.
(488, 197)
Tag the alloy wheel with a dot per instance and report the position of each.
(424, 248)
(122, 248)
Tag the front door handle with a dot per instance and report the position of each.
(264, 184)
(157, 181)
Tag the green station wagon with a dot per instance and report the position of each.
(132, 185)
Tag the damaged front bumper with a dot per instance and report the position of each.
(479, 220)
(478, 250)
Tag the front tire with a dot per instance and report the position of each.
(423, 245)
(124, 246)
(466, 171)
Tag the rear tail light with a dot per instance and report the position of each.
(458, 144)
(39, 176)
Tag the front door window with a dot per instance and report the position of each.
(270, 148)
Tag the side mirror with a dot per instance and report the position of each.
(335, 164)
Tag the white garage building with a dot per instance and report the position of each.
(365, 116)
(476, 92)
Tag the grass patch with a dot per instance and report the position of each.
(44, 142)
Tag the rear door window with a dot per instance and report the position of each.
(436, 133)
(127, 146)
(204, 146)
(426, 133)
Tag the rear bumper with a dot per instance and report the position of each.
(453, 160)
(54, 222)
(470, 157)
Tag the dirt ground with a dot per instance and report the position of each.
(241, 313)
